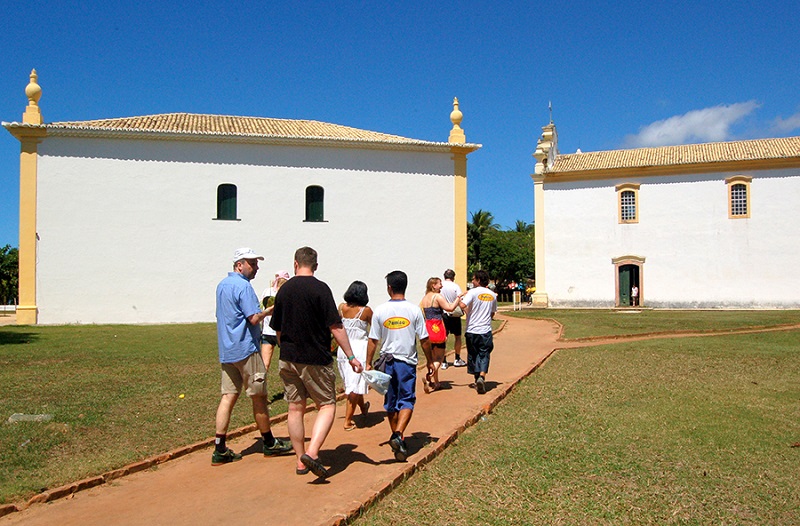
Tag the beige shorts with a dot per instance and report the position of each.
(249, 373)
(301, 381)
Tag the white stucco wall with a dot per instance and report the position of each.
(695, 256)
(127, 231)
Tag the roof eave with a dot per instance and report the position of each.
(18, 129)
(674, 169)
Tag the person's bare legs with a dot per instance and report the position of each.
(297, 429)
(457, 346)
(399, 421)
(266, 354)
(438, 357)
(322, 426)
(350, 409)
(224, 411)
(261, 413)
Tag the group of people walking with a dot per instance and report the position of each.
(300, 316)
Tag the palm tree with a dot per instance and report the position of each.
(522, 226)
(482, 222)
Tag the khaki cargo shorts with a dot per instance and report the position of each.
(302, 381)
(249, 373)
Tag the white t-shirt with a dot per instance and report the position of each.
(482, 303)
(450, 290)
(265, 328)
(396, 325)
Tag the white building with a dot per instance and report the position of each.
(693, 226)
(135, 220)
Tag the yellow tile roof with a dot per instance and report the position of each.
(227, 127)
(688, 154)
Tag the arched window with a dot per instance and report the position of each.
(738, 196)
(315, 201)
(628, 203)
(226, 201)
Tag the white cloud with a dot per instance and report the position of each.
(706, 125)
(781, 125)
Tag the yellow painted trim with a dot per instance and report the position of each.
(631, 187)
(650, 171)
(729, 183)
(540, 296)
(27, 310)
(460, 219)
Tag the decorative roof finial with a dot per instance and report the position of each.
(33, 91)
(456, 134)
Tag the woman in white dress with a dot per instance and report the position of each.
(356, 317)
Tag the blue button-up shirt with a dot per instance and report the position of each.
(236, 301)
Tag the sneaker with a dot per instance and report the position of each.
(398, 445)
(444, 366)
(217, 458)
(280, 447)
(458, 362)
(480, 385)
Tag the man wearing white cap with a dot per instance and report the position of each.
(239, 336)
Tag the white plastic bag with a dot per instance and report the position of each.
(377, 380)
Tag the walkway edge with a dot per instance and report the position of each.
(67, 490)
(373, 497)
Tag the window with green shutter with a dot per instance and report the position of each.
(315, 200)
(226, 201)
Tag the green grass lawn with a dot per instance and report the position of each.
(114, 393)
(586, 323)
(672, 431)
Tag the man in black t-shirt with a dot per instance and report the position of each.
(304, 318)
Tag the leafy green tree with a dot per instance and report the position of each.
(508, 255)
(9, 274)
(481, 224)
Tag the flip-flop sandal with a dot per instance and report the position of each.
(349, 428)
(299, 471)
(315, 466)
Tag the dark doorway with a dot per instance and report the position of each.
(628, 278)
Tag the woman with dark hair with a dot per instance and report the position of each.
(356, 317)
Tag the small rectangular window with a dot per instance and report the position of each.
(628, 203)
(738, 196)
(226, 201)
(315, 201)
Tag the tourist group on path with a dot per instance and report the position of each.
(300, 317)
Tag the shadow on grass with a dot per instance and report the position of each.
(16, 338)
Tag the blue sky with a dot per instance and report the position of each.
(620, 75)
